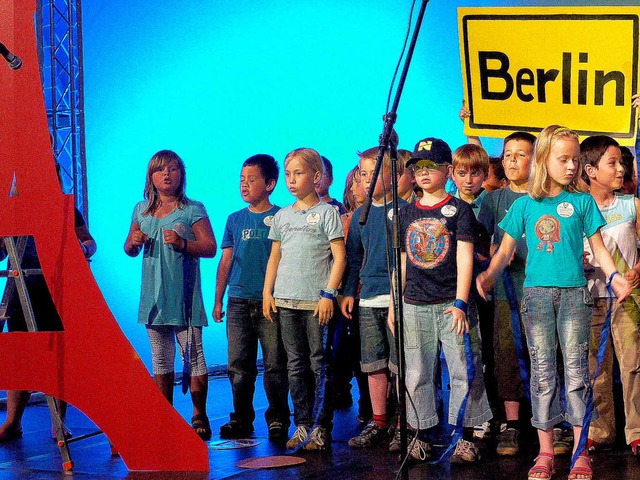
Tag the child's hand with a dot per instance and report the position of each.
(173, 239)
(621, 287)
(324, 311)
(633, 277)
(346, 306)
(459, 322)
(138, 239)
(268, 306)
(635, 100)
(464, 111)
(391, 321)
(218, 314)
(484, 284)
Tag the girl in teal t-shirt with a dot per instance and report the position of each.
(556, 306)
(174, 232)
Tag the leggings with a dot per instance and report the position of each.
(163, 348)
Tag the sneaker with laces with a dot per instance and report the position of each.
(562, 441)
(465, 452)
(277, 431)
(419, 450)
(508, 442)
(483, 431)
(298, 437)
(319, 439)
(394, 444)
(370, 435)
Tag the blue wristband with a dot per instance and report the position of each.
(461, 305)
(611, 277)
(328, 295)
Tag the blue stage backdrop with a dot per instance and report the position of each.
(218, 81)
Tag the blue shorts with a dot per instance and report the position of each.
(377, 343)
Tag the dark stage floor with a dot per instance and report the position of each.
(36, 456)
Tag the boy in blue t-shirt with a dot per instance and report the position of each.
(245, 252)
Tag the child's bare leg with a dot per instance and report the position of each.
(378, 384)
(512, 410)
(199, 386)
(165, 382)
(16, 403)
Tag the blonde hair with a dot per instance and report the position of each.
(473, 157)
(539, 180)
(309, 157)
(372, 154)
(157, 163)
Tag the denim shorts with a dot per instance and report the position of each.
(378, 345)
(558, 316)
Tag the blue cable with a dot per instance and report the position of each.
(604, 338)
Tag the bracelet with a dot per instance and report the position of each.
(329, 295)
(460, 305)
(611, 277)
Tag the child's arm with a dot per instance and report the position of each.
(500, 259)
(464, 114)
(203, 246)
(391, 316)
(621, 287)
(224, 267)
(324, 310)
(633, 275)
(268, 303)
(135, 240)
(464, 266)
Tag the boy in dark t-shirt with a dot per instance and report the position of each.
(437, 235)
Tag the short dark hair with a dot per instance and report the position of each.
(591, 151)
(267, 164)
(526, 136)
(328, 168)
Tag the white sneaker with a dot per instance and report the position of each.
(298, 437)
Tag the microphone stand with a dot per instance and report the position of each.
(386, 144)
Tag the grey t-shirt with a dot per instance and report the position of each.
(306, 259)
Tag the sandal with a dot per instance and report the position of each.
(542, 471)
(200, 423)
(635, 448)
(583, 472)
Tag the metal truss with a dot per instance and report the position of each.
(59, 36)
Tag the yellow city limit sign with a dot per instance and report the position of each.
(526, 68)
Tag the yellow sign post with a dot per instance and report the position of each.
(526, 68)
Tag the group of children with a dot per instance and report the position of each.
(518, 271)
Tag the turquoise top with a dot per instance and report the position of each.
(553, 229)
(171, 292)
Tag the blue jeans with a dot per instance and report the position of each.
(426, 327)
(558, 316)
(245, 328)
(309, 367)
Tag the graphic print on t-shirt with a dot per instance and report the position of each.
(428, 242)
(548, 232)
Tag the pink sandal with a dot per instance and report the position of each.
(542, 471)
(585, 471)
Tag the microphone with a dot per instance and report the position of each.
(14, 61)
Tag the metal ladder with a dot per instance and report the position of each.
(15, 247)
